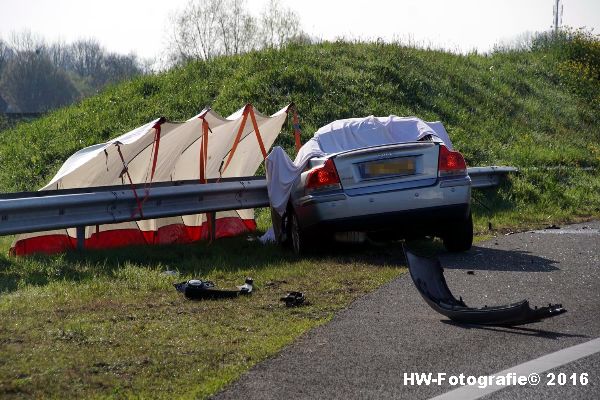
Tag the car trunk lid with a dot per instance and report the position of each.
(390, 167)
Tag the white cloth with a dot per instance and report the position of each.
(282, 172)
(268, 237)
(357, 133)
(344, 135)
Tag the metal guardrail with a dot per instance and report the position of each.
(484, 177)
(76, 208)
(59, 211)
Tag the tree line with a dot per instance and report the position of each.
(205, 29)
(36, 76)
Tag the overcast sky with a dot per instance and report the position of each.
(141, 26)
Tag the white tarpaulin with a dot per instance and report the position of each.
(204, 147)
(343, 135)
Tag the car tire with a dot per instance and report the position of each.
(297, 238)
(460, 236)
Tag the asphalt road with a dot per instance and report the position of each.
(366, 349)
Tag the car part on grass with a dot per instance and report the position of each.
(293, 299)
(428, 276)
(247, 287)
(196, 289)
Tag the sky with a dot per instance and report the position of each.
(142, 26)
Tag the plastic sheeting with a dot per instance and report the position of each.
(343, 135)
(163, 151)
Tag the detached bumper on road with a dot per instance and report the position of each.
(428, 276)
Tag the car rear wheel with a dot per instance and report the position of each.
(297, 237)
(459, 236)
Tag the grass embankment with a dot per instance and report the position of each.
(110, 324)
(537, 110)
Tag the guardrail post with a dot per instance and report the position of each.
(80, 238)
(212, 216)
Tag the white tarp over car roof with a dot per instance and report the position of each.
(343, 135)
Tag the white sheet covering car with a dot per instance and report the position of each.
(380, 176)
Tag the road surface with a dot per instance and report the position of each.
(368, 348)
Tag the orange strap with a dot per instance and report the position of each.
(204, 151)
(257, 132)
(203, 161)
(126, 170)
(237, 138)
(247, 111)
(297, 131)
(154, 151)
(156, 146)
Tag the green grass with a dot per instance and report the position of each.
(515, 108)
(109, 324)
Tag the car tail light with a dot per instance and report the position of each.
(324, 177)
(451, 163)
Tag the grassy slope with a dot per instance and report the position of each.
(109, 323)
(508, 108)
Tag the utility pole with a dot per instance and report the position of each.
(558, 13)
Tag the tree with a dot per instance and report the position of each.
(36, 77)
(3, 105)
(31, 83)
(208, 28)
(5, 53)
(93, 65)
(60, 54)
(196, 30)
(26, 41)
(279, 25)
(86, 57)
(4, 57)
(117, 67)
(237, 27)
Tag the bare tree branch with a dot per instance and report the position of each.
(208, 28)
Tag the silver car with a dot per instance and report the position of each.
(402, 190)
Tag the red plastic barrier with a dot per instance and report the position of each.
(170, 234)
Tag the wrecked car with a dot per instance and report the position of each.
(378, 177)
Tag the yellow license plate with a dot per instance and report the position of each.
(387, 168)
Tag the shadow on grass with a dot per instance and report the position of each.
(198, 259)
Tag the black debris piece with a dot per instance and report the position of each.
(428, 276)
(196, 289)
(293, 299)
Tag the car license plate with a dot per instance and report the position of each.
(387, 168)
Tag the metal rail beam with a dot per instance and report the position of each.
(35, 214)
(59, 209)
(484, 177)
